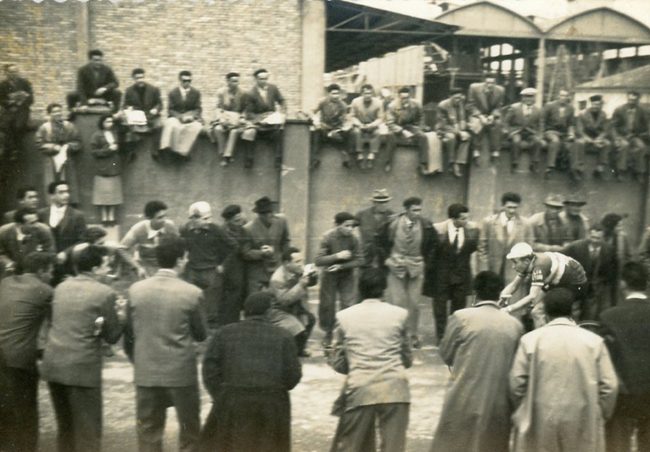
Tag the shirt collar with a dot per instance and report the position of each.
(167, 272)
(561, 321)
(504, 219)
(151, 233)
(372, 300)
(490, 303)
(19, 234)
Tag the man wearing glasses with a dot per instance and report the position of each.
(184, 123)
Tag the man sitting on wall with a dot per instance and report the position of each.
(265, 110)
(451, 123)
(592, 130)
(143, 97)
(96, 85)
(559, 132)
(630, 128)
(404, 119)
(331, 123)
(228, 126)
(367, 117)
(184, 123)
(524, 125)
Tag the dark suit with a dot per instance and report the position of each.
(626, 328)
(249, 369)
(369, 226)
(89, 79)
(13, 251)
(629, 131)
(69, 230)
(190, 106)
(14, 111)
(256, 109)
(559, 127)
(24, 304)
(600, 270)
(592, 132)
(72, 363)
(234, 273)
(165, 310)
(525, 130)
(483, 104)
(448, 276)
(145, 100)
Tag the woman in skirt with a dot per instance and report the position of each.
(107, 187)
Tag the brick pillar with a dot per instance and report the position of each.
(295, 181)
(313, 53)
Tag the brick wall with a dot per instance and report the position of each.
(164, 37)
(42, 40)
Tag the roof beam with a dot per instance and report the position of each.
(350, 19)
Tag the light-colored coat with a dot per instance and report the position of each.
(564, 385)
(494, 245)
(373, 349)
(479, 345)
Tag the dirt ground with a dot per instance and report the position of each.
(313, 427)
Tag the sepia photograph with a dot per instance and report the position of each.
(324, 225)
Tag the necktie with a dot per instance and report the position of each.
(456, 240)
(409, 232)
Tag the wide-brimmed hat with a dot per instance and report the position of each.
(264, 205)
(380, 195)
(575, 200)
(554, 201)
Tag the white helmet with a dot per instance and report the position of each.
(520, 250)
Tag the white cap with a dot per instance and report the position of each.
(199, 208)
(520, 250)
(528, 92)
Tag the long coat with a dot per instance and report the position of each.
(564, 385)
(48, 136)
(476, 413)
(249, 369)
(494, 245)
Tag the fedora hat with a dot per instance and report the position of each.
(575, 200)
(380, 195)
(263, 205)
(554, 201)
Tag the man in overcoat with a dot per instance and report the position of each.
(249, 369)
(479, 346)
(563, 384)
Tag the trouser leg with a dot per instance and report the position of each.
(391, 145)
(440, 314)
(327, 303)
(622, 152)
(535, 149)
(357, 138)
(414, 289)
(347, 288)
(356, 431)
(494, 132)
(151, 411)
(539, 315)
(219, 134)
(86, 409)
(19, 407)
(639, 153)
(462, 152)
(393, 424)
(554, 145)
(619, 429)
(449, 146)
(516, 149)
(63, 413)
(188, 412)
(577, 155)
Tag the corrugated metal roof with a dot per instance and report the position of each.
(638, 78)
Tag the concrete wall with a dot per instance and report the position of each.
(310, 199)
(210, 39)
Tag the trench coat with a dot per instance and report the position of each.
(479, 345)
(564, 384)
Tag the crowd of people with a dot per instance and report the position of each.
(190, 284)
(552, 388)
(467, 125)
